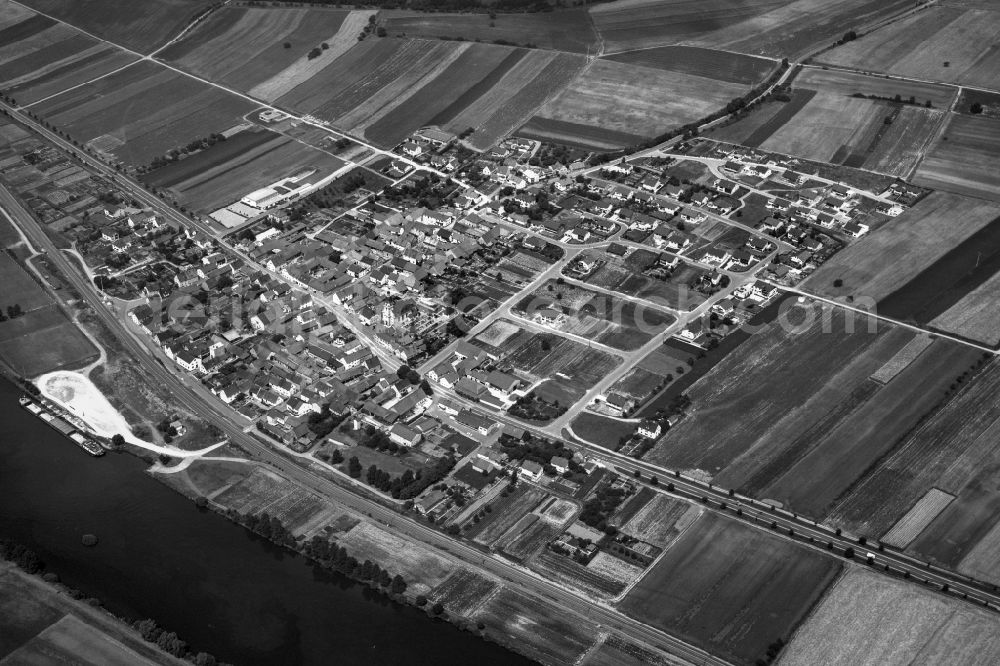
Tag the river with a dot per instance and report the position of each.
(222, 589)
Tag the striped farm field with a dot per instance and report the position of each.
(265, 51)
(620, 101)
(564, 30)
(141, 26)
(965, 158)
(955, 44)
(774, 28)
(918, 518)
(143, 111)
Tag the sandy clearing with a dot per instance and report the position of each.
(78, 395)
(304, 69)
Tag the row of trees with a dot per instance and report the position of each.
(332, 556)
(408, 484)
(13, 312)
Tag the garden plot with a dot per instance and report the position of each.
(465, 591)
(662, 520)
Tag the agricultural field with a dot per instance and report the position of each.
(266, 491)
(826, 121)
(136, 26)
(615, 569)
(731, 588)
(387, 88)
(564, 30)
(965, 158)
(143, 111)
(662, 520)
(939, 43)
(569, 366)
(40, 57)
(611, 101)
(567, 571)
(422, 568)
(873, 619)
(707, 63)
(605, 319)
(244, 47)
(763, 381)
(230, 169)
(952, 452)
(772, 28)
(506, 512)
(42, 339)
(539, 632)
(465, 591)
(896, 252)
(917, 518)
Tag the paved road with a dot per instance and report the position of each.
(186, 396)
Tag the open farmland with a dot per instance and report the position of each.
(917, 518)
(138, 26)
(965, 159)
(538, 631)
(847, 449)
(612, 100)
(774, 28)
(389, 87)
(564, 30)
(719, 65)
(940, 43)
(899, 250)
(43, 338)
(233, 168)
(567, 571)
(143, 111)
(954, 452)
(244, 47)
(867, 618)
(730, 587)
(763, 381)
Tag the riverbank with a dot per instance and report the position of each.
(41, 623)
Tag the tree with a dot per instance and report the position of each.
(118, 441)
(205, 659)
(336, 457)
(354, 467)
(421, 600)
(437, 608)
(976, 108)
(288, 45)
(398, 585)
(849, 553)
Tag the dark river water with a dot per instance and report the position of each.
(221, 589)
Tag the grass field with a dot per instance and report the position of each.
(566, 30)
(616, 98)
(730, 588)
(138, 27)
(965, 158)
(940, 43)
(143, 111)
(602, 430)
(774, 28)
(899, 250)
(868, 618)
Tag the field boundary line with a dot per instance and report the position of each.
(79, 85)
